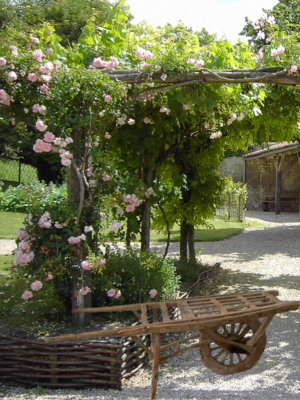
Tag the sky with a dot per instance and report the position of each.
(226, 18)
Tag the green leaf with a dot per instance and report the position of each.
(262, 94)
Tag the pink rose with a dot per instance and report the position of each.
(127, 198)
(97, 62)
(148, 120)
(41, 146)
(280, 49)
(26, 295)
(88, 229)
(107, 98)
(37, 285)
(2, 61)
(48, 277)
(190, 61)
(130, 208)
(89, 172)
(36, 108)
(199, 63)
(32, 77)
(117, 295)
(152, 293)
(85, 265)
(293, 68)
(38, 55)
(42, 110)
(131, 121)
(206, 126)
(23, 245)
(49, 137)
(21, 234)
(111, 293)
(163, 77)
(102, 261)
(13, 121)
(105, 178)
(84, 290)
(120, 121)
(44, 88)
(120, 211)
(115, 226)
(40, 125)
(12, 76)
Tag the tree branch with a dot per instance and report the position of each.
(263, 75)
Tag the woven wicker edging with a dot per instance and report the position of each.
(77, 364)
(69, 364)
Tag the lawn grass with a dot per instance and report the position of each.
(223, 229)
(9, 224)
(6, 262)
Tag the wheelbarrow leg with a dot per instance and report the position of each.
(155, 347)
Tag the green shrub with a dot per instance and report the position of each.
(15, 311)
(21, 198)
(188, 272)
(135, 275)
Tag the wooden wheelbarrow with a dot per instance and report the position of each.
(232, 328)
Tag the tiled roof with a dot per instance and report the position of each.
(269, 148)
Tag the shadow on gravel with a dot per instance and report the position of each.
(248, 282)
(251, 245)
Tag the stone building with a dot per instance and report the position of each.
(272, 175)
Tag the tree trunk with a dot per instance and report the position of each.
(168, 230)
(183, 241)
(191, 239)
(78, 319)
(146, 213)
(128, 231)
(146, 224)
(76, 194)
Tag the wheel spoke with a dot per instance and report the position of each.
(244, 331)
(232, 356)
(225, 358)
(239, 329)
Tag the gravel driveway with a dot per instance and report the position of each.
(262, 258)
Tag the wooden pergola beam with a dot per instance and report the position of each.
(261, 75)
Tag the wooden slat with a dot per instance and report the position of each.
(185, 310)
(164, 311)
(144, 314)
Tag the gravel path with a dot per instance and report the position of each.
(262, 258)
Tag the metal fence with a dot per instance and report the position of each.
(15, 171)
(233, 207)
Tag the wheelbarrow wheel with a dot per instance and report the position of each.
(230, 359)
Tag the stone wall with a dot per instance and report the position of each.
(232, 166)
(261, 179)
